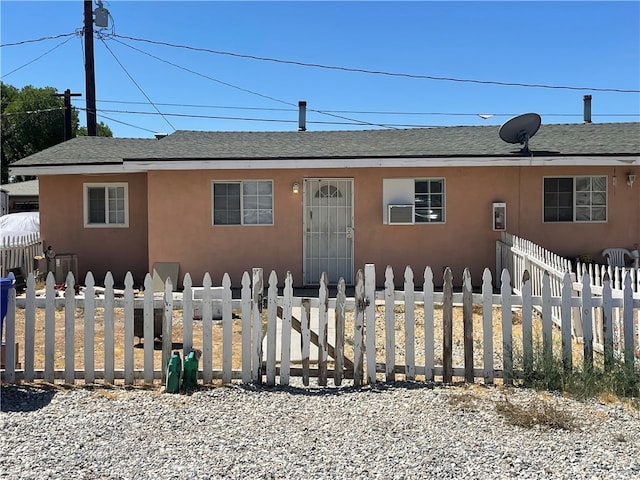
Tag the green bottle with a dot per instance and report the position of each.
(173, 373)
(190, 378)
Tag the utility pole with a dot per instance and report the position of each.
(90, 77)
(68, 132)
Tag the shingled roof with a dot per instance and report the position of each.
(611, 139)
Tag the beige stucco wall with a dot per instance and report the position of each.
(177, 205)
(180, 222)
(99, 249)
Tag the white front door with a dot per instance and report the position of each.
(328, 230)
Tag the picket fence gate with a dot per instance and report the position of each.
(263, 367)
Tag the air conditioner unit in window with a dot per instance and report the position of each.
(401, 214)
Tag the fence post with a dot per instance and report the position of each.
(607, 322)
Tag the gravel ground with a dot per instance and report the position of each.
(390, 431)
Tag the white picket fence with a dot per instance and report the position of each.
(518, 255)
(260, 315)
(19, 252)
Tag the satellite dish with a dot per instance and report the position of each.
(520, 129)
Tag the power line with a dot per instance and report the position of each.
(37, 58)
(377, 72)
(135, 83)
(31, 112)
(362, 122)
(365, 112)
(39, 39)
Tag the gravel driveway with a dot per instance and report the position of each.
(390, 431)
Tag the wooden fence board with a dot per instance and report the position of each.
(287, 313)
(69, 330)
(370, 321)
(109, 325)
(227, 330)
(323, 324)
(389, 325)
(89, 328)
(49, 331)
(167, 328)
(30, 328)
(340, 329)
(256, 327)
(272, 318)
(358, 346)
(487, 326)
(507, 329)
(467, 320)
(429, 348)
(128, 329)
(247, 374)
(447, 326)
(409, 326)
(147, 328)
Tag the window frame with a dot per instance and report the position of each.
(105, 186)
(402, 191)
(242, 200)
(443, 194)
(574, 201)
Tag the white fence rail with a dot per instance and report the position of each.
(257, 317)
(19, 252)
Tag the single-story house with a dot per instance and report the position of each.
(21, 196)
(332, 201)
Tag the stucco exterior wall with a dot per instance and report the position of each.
(99, 249)
(180, 225)
(170, 220)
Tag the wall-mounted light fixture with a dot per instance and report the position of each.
(631, 177)
(296, 187)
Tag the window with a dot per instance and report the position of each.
(429, 200)
(575, 199)
(248, 202)
(425, 195)
(106, 204)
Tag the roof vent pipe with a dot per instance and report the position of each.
(302, 116)
(160, 135)
(587, 108)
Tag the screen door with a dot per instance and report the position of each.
(328, 230)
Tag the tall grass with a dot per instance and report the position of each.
(617, 381)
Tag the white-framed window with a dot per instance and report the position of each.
(243, 202)
(426, 195)
(575, 199)
(106, 205)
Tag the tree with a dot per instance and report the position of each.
(32, 121)
(103, 131)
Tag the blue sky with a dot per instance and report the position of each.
(591, 46)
